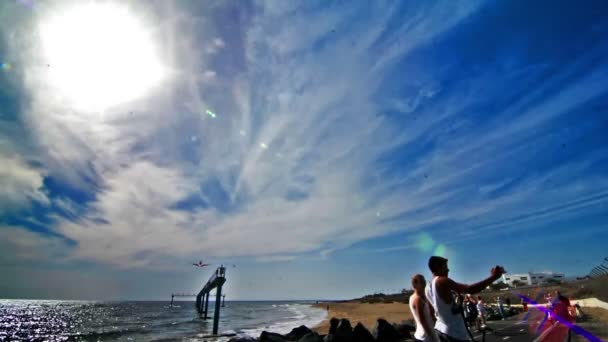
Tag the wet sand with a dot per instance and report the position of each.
(365, 313)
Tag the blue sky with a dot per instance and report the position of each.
(351, 141)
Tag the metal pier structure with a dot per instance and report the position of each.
(216, 282)
(173, 295)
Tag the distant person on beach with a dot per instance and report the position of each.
(450, 326)
(472, 312)
(563, 308)
(561, 311)
(501, 308)
(481, 308)
(423, 312)
(550, 303)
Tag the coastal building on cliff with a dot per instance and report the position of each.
(532, 278)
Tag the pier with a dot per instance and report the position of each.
(216, 281)
(173, 295)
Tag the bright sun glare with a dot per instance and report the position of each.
(99, 55)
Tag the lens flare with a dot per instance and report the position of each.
(210, 113)
(575, 328)
(440, 250)
(425, 242)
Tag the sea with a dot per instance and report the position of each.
(57, 320)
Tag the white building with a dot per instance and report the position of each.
(532, 278)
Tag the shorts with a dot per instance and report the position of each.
(446, 338)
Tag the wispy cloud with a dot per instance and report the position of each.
(308, 150)
(20, 184)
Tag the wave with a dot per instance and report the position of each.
(101, 335)
(302, 314)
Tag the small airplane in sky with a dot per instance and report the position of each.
(200, 264)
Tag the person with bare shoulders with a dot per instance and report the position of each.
(450, 325)
(423, 312)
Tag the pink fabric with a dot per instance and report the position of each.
(562, 309)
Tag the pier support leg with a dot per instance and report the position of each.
(206, 299)
(172, 300)
(216, 316)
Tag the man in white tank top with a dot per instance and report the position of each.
(450, 325)
(423, 312)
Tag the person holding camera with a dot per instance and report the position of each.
(450, 325)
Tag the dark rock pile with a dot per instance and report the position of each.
(340, 330)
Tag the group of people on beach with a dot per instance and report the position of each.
(445, 310)
(442, 316)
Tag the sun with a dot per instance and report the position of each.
(99, 55)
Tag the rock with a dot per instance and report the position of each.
(272, 337)
(242, 339)
(405, 330)
(297, 333)
(333, 325)
(310, 337)
(361, 334)
(385, 332)
(344, 331)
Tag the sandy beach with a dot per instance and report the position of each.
(368, 314)
(365, 313)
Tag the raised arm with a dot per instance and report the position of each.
(445, 285)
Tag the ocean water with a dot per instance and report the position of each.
(52, 320)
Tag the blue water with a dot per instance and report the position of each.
(52, 320)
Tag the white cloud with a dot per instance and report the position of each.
(293, 161)
(20, 184)
(331, 207)
(131, 223)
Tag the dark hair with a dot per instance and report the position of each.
(436, 262)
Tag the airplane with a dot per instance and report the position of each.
(200, 264)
